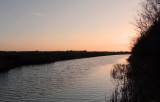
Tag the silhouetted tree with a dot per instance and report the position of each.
(141, 75)
(148, 24)
(148, 16)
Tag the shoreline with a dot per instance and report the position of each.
(13, 59)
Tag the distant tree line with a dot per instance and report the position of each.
(11, 59)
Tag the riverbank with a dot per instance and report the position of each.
(12, 59)
(139, 78)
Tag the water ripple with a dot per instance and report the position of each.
(80, 80)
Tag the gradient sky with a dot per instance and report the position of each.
(47, 25)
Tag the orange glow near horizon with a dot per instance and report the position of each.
(90, 41)
(92, 25)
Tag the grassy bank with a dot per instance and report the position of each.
(138, 81)
(140, 78)
(12, 59)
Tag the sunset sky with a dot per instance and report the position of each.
(51, 25)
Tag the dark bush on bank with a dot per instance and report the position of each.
(141, 77)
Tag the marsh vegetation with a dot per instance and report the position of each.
(140, 78)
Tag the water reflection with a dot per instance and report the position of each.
(81, 80)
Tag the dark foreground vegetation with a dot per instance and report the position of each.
(11, 59)
(139, 80)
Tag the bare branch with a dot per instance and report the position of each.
(149, 15)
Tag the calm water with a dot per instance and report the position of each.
(80, 80)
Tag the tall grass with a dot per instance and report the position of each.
(141, 77)
(139, 82)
